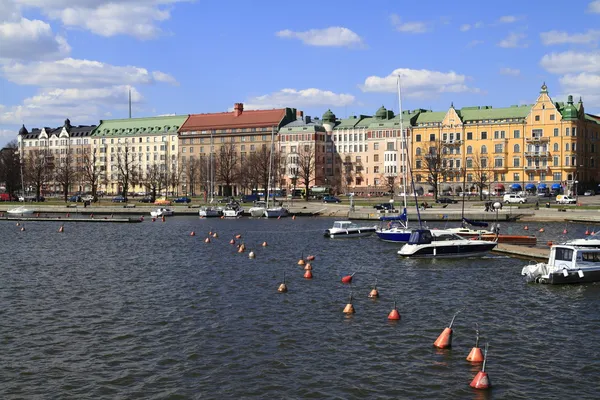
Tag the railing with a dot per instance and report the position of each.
(537, 139)
(537, 154)
(536, 168)
(452, 142)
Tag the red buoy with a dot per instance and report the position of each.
(348, 278)
(587, 232)
(565, 231)
(232, 241)
(541, 230)
(153, 219)
(526, 228)
(476, 355)
(238, 236)
(394, 315)
(293, 217)
(61, 229)
(482, 380)
(308, 274)
(444, 341)
(163, 218)
(192, 233)
(310, 258)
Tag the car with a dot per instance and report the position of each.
(446, 200)
(182, 200)
(146, 199)
(589, 193)
(331, 199)
(514, 198)
(75, 199)
(384, 206)
(118, 199)
(564, 199)
(250, 198)
(88, 198)
(35, 198)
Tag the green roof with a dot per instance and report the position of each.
(140, 126)
(351, 122)
(489, 113)
(431, 116)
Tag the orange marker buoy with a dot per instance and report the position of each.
(207, 240)
(308, 267)
(526, 228)
(308, 274)
(215, 235)
(293, 217)
(476, 355)
(232, 241)
(445, 339)
(301, 262)
(310, 258)
(348, 278)
(394, 315)
(264, 244)
(349, 309)
(251, 254)
(192, 233)
(241, 249)
(282, 287)
(61, 229)
(482, 380)
(238, 236)
(22, 229)
(373, 294)
(565, 231)
(587, 232)
(541, 230)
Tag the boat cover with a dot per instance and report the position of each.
(401, 217)
(475, 223)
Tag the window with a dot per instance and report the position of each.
(517, 134)
(469, 163)
(469, 150)
(483, 163)
(469, 135)
(555, 147)
(567, 147)
(483, 149)
(551, 117)
(498, 162)
(483, 135)
(498, 148)
(418, 164)
(516, 177)
(376, 146)
(537, 133)
(555, 132)
(556, 176)
(516, 148)
(376, 169)
(417, 152)
(556, 161)
(390, 146)
(432, 137)
(417, 138)
(567, 132)
(516, 162)
(537, 118)
(376, 156)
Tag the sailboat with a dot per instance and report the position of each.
(210, 211)
(397, 230)
(273, 211)
(21, 210)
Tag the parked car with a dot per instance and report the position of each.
(446, 200)
(88, 198)
(384, 206)
(564, 199)
(182, 200)
(7, 197)
(118, 199)
(331, 199)
(589, 193)
(35, 198)
(250, 198)
(514, 198)
(75, 199)
(146, 199)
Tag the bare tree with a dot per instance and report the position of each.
(482, 172)
(127, 172)
(433, 161)
(258, 171)
(154, 179)
(174, 175)
(347, 174)
(306, 166)
(10, 168)
(227, 168)
(92, 174)
(388, 182)
(37, 169)
(65, 173)
(193, 171)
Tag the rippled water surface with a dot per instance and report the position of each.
(146, 311)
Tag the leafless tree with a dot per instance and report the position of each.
(92, 174)
(347, 174)
(306, 166)
(65, 173)
(258, 169)
(127, 171)
(388, 182)
(10, 168)
(38, 169)
(433, 161)
(227, 168)
(154, 179)
(482, 172)
(193, 171)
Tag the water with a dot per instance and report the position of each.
(146, 311)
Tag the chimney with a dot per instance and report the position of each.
(307, 119)
(299, 114)
(238, 108)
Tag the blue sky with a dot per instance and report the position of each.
(79, 58)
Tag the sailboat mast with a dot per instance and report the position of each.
(270, 164)
(403, 144)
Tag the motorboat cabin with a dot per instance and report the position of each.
(348, 229)
(443, 243)
(566, 264)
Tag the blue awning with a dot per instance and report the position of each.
(556, 186)
(542, 186)
(515, 186)
(529, 186)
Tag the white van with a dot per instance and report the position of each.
(514, 198)
(564, 199)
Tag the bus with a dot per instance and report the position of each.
(272, 193)
(318, 192)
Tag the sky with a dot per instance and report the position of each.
(78, 59)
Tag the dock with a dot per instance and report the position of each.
(528, 253)
(32, 218)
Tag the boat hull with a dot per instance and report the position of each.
(349, 233)
(276, 212)
(589, 276)
(393, 236)
(521, 240)
(19, 211)
(446, 251)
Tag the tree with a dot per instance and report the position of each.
(306, 166)
(388, 182)
(10, 168)
(227, 168)
(258, 169)
(65, 173)
(193, 171)
(347, 174)
(433, 161)
(174, 175)
(91, 173)
(127, 172)
(154, 179)
(37, 169)
(482, 172)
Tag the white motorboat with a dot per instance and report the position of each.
(276, 212)
(443, 243)
(233, 210)
(566, 264)
(258, 209)
(162, 212)
(210, 212)
(19, 211)
(348, 229)
(588, 241)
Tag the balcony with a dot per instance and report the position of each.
(544, 154)
(536, 168)
(452, 142)
(538, 139)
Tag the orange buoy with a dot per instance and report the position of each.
(61, 229)
(394, 315)
(238, 236)
(348, 278)
(232, 241)
(310, 258)
(192, 233)
(476, 355)
(301, 262)
(207, 240)
(526, 228)
(308, 274)
(251, 254)
(349, 309)
(587, 232)
(373, 294)
(293, 217)
(482, 380)
(283, 287)
(565, 231)
(264, 244)
(22, 229)
(541, 230)
(241, 249)
(215, 235)
(445, 339)
(308, 267)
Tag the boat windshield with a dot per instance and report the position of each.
(420, 237)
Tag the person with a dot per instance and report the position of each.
(537, 205)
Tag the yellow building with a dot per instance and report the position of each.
(546, 146)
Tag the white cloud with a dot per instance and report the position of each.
(408, 27)
(510, 71)
(418, 83)
(7, 135)
(585, 85)
(513, 40)
(311, 97)
(571, 62)
(474, 43)
(335, 36)
(30, 40)
(508, 19)
(465, 27)
(71, 72)
(594, 7)
(138, 18)
(561, 37)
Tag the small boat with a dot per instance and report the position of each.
(19, 211)
(233, 210)
(258, 209)
(566, 264)
(484, 234)
(276, 212)
(347, 229)
(396, 230)
(210, 212)
(162, 212)
(589, 241)
(443, 243)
